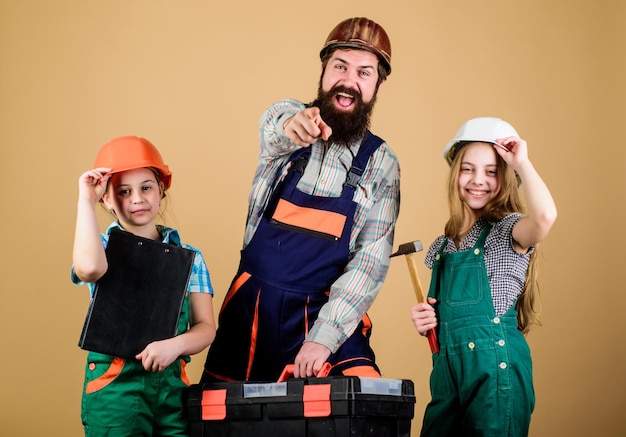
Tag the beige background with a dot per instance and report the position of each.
(194, 77)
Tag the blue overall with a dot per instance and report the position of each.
(481, 382)
(299, 249)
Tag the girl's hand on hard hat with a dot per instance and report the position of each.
(158, 355)
(92, 184)
(516, 152)
(424, 316)
(306, 127)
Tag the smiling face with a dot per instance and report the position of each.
(134, 195)
(478, 181)
(347, 93)
(356, 72)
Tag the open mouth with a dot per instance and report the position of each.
(477, 192)
(344, 100)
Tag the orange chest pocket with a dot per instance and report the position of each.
(326, 224)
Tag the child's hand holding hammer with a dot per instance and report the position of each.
(424, 317)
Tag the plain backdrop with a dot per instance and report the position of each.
(195, 76)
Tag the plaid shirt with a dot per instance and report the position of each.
(371, 240)
(506, 269)
(199, 281)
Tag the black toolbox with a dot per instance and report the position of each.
(302, 407)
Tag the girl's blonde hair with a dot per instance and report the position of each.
(506, 202)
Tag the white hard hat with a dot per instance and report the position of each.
(483, 129)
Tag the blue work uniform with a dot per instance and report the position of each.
(481, 382)
(299, 249)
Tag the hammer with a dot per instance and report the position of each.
(410, 250)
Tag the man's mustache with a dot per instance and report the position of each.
(352, 92)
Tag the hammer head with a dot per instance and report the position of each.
(406, 248)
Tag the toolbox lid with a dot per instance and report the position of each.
(264, 389)
(381, 386)
(377, 386)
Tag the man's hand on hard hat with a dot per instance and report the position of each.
(310, 359)
(306, 127)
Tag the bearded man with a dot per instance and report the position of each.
(321, 219)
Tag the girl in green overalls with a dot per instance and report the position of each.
(483, 288)
(144, 396)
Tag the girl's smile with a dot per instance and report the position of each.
(477, 193)
(478, 176)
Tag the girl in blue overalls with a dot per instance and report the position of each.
(141, 397)
(483, 286)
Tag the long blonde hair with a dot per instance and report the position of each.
(506, 202)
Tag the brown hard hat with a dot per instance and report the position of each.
(360, 33)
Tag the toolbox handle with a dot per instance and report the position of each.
(288, 371)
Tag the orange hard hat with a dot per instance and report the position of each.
(129, 153)
(360, 33)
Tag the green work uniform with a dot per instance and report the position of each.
(122, 399)
(481, 382)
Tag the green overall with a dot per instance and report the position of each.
(481, 382)
(122, 399)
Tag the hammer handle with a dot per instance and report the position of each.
(421, 298)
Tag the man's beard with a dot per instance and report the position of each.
(348, 126)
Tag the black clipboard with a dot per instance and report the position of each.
(139, 298)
